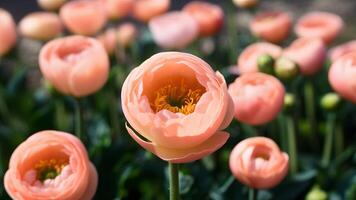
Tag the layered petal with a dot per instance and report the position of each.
(144, 10)
(7, 32)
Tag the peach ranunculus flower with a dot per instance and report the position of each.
(117, 9)
(247, 61)
(343, 49)
(258, 163)
(179, 105)
(271, 26)
(210, 17)
(324, 25)
(258, 98)
(51, 165)
(144, 10)
(75, 65)
(174, 30)
(245, 3)
(126, 34)
(7, 32)
(41, 26)
(108, 39)
(342, 76)
(51, 5)
(84, 17)
(308, 53)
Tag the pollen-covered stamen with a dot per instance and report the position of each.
(176, 98)
(49, 169)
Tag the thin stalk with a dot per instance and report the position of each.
(309, 104)
(282, 132)
(173, 181)
(113, 101)
(328, 144)
(292, 145)
(339, 139)
(252, 194)
(79, 119)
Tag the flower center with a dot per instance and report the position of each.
(49, 169)
(176, 98)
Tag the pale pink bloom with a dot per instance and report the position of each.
(7, 32)
(41, 26)
(144, 10)
(75, 65)
(179, 105)
(210, 17)
(174, 30)
(50, 4)
(324, 25)
(258, 163)
(108, 39)
(258, 98)
(117, 9)
(51, 165)
(308, 53)
(84, 17)
(126, 34)
(341, 50)
(245, 3)
(247, 61)
(342, 76)
(271, 26)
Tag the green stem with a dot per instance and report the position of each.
(114, 115)
(252, 194)
(232, 33)
(292, 145)
(309, 104)
(173, 182)
(328, 144)
(79, 119)
(339, 139)
(282, 132)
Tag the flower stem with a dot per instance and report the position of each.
(292, 145)
(339, 139)
(309, 104)
(114, 118)
(328, 144)
(173, 181)
(79, 119)
(252, 194)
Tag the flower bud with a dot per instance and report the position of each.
(289, 101)
(316, 194)
(50, 4)
(245, 3)
(286, 69)
(265, 63)
(330, 101)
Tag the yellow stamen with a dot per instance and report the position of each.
(176, 98)
(49, 169)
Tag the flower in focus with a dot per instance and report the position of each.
(247, 61)
(50, 5)
(210, 17)
(342, 75)
(51, 165)
(117, 9)
(41, 26)
(126, 34)
(174, 30)
(324, 25)
(258, 98)
(271, 26)
(75, 65)
(258, 163)
(108, 40)
(308, 53)
(245, 3)
(179, 105)
(341, 50)
(144, 10)
(7, 32)
(83, 17)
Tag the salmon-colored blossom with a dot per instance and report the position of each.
(51, 4)
(7, 32)
(271, 26)
(247, 61)
(341, 50)
(245, 3)
(83, 17)
(324, 25)
(308, 53)
(51, 165)
(126, 34)
(210, 17)
(41, 26)
(75, 65)
(117, 9)
(178, 106)
(258, 98)
(342, 75)
(144, 10)
(108, 39)
(258, 163)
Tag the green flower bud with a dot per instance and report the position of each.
(289, 101)
(265, 63)
(316, 194)
(330, 101)
(286, 69)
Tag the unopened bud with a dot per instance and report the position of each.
(245, 3)
(265, 63)
(316, 194)
(289, 101)
(330, 101)
(286, 69)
